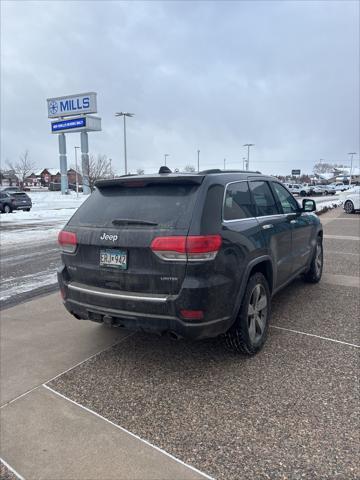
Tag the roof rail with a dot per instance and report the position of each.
(218, 170)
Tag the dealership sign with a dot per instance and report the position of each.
(72, 105)
(79, 124)
(295, 172)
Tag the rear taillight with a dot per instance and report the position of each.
(193, 248)
(67, 241)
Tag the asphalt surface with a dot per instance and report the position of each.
(291, 412)
(27, 269)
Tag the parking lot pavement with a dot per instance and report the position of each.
(292, 411)
(48, 437)
(39, 340)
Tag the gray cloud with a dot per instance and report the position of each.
(207, 75)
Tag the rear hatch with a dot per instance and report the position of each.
(116, 226)
(20, 198)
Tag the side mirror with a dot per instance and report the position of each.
(308, 205)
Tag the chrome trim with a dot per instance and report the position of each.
(123, 296)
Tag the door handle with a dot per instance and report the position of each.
(267, 226)
(293, 221)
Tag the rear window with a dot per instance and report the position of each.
(167, 205)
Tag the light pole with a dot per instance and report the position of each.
(76, 172)
(244, 162)
(198, 152)
(248, 145)
(124, 114)
(351, 163)
(165, 157)
(224, 163)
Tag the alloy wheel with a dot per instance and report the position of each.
(257, 313)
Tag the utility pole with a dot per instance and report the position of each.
(244, 162)
(351, 163)
(125, 114)
(224, 163)
(198, 153)
(248, 145)
(165, 157)
(76, 173)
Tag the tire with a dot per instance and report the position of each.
(313, 275)
(349, 206)
(249, 332)
(303, 193)
(326, 192)
(7, 209)
(27, 209)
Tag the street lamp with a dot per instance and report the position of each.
(351, 163)
(224, 163)
(248, 145)
(165, 157)
(198, 152)
(76, 172)
(124, 114)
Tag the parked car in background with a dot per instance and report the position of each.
(340, 186)
(21, 201)
(6, 202)
(327, 189)
(188, 255)
(316, 190)
(10, 189)
(351, 200)
(297, 188)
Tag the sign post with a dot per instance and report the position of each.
(77, 107)
(85, 161)
(63, 164)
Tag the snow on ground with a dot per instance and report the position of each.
(50, 212)
(17, 285)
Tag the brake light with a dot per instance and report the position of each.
(193, 248)
(67, 241)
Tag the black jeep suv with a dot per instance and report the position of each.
(193, 255)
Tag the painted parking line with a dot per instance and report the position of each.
(205, 475)
(12, 470)
(337, 252)
(341, 280)
(316, 336)
(342, 237)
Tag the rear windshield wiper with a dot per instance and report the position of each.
(127, 221)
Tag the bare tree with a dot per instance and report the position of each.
(23, 167)
(323, 167)
(189, 169)
(99, 167)
(140, 171)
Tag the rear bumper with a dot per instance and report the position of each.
(140, 312)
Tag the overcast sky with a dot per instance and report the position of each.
(198, 75)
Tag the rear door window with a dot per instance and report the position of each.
(164, 205)
(237, 203)
(263, 199)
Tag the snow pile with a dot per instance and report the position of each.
(325, 206)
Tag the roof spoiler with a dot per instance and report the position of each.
(143, 181)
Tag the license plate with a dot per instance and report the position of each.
(113, 258)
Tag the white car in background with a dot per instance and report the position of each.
(351, 199)
(339, 186)
(301, 190)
